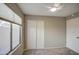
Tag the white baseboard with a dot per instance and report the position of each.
(45, 48)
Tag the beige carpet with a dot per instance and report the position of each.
(53, 51)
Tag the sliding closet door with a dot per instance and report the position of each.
(40, 34)
(31, 34)
(35, 34)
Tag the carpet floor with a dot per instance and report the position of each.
(53, 51)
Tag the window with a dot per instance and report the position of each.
(10, 29)
(4, 37)
(15, 35)
(10, 36)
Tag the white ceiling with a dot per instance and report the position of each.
(41, 9)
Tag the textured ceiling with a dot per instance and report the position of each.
(42, 10)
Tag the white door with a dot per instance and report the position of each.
(40, 34)
(35, 34)
(73, 34)
(31, 34)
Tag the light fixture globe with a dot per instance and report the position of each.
(53, 9)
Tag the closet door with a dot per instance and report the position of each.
(40, 34)
(31, 34)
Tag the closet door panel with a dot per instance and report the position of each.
(31, 34)
(40, 34)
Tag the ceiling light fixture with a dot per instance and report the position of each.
(55, 7)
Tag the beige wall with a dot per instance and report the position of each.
(16, 9)
(54, 33)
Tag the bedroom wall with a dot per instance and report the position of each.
(54, 33)
(17, 10)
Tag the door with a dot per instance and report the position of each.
(73, 34)
(40, 34)
(35, 34)
(31, 34)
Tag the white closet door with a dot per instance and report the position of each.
(31, 34)
(40, 34)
